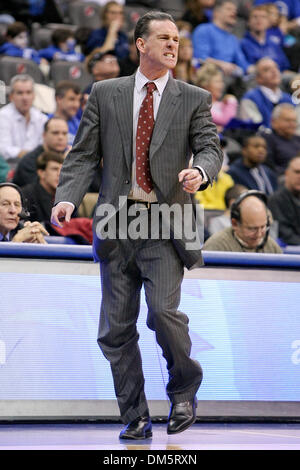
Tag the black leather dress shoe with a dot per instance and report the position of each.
(140, 428)
(182, 415)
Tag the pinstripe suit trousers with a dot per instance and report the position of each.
(156, 265)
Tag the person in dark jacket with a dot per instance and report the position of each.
(250, 171)
(285, 204)
(39, 196)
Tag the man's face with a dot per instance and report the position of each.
(258, 21)
(50, 176)
(286, 123)
(105, 68)
(227, 13)
(292, 176)
(252, 227)
(56, 136)
(10, 208)
(22, 95)
(256, 151)
(69, 104)
(159, 51)
(268, 74)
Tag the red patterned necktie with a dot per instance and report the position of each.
(143, 138)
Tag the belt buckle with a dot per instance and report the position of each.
(145, 205)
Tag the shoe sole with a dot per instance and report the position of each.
(148, 434)
(182, 429)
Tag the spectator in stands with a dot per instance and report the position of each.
(129, 64)
(10, 212)
(68, 101)
(16, 43)
(21, 125)
(55, 139)
(224, 108)
(185, 69)
(283, 143)
(39, 196)
(63, 47)
(214, 42)
(250, 171)
(110, 36)
(258, 103)
(285, 204)
(249, 231)
(288, 8)
(218, 223)
(198, 12)
(102, 66)
(256, 43)
(275, 31)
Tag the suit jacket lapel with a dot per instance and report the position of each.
(123, 100)
(170, 101)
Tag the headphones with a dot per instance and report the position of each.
(23, 214)
(235, 212)
(12, 185)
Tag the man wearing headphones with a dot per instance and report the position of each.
(249, 231)
(11, 212)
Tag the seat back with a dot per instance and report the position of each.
(85, 14)
(11, 66)
(73, 71)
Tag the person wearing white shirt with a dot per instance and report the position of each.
(21, 125)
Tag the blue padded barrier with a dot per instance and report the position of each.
(211, 258)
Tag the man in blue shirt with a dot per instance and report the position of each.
(214, 42)
(288, 8)
(256, 44)
(258, 103)
(68, 96)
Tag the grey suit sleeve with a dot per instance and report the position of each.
(204, 139)
(83, 160)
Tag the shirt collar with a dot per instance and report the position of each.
(20, 116)
(141, 80)
(273, 96)
(4, 236)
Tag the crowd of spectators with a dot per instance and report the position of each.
(244, 52)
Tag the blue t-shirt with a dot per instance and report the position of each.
(11, 50)
(289, 8)
(211, 41)
(255, 51)
(54, 52)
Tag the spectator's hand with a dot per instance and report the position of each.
(61, 212)
(227, 67)
(115, 26)
(191, 180)
(33, 232)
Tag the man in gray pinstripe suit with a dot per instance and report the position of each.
(107, 133)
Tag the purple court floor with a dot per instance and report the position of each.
(99, 436)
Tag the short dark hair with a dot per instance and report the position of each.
(15, 29)
(46, 125)
(233, 193)
(46, 157)
(65, 85)
(248, 138)
(61, 35)
(142, 26)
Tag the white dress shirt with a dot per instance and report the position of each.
(16, 133)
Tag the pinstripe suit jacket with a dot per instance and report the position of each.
(183, 127)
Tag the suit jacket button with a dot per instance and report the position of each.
(126, 181)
